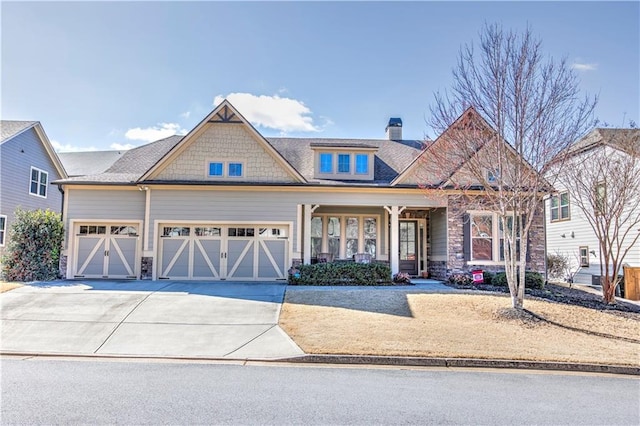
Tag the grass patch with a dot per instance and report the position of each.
(8, 286)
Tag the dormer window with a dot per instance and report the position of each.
(362, 164)
(344, 162)
(326, 162)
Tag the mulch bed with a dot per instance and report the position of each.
(566, 295)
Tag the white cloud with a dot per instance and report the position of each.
(273, 112)
(584, 67)
(60, 147)
(122, 147)
(185, 114)
(151, 134)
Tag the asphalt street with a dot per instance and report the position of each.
(45, 391)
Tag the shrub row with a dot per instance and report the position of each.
(531, 280)
(341, 273)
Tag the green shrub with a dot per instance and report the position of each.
(487, 277)
(341, 273)
(531, 280)
(33, 249)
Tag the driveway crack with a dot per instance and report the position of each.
(127, 316)
(246, 343)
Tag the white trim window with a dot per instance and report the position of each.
(584, 256)
(225, 169)
(3, 229)
(344, 163)
(560, 207)
(484, 238)
(344, 236)
(39, 182)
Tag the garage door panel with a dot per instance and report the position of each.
(271, 259)
(122, 253)
(175, 258)
(206, 259)
(240, 256)
(91, 256)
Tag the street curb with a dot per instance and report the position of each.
(463, 363)
(368, 360)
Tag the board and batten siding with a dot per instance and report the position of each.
(438, 234)
(268, 205)
(17, 156)
(103, 205)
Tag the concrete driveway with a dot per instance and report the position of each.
(146, 318)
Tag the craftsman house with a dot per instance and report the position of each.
(28, 165)
(224, 202)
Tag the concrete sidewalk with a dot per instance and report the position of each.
(146, 318)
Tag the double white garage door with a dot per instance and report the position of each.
(233, 252)
(191, 252)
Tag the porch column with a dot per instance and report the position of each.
(306, 244)
(394, 240)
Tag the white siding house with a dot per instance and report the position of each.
(568, 230)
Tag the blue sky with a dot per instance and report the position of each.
(113, 75)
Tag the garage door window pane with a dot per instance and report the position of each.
(176, 231)
(124, 230)
(207, 231)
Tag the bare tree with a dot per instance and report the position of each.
(602, 174)
(509, 112)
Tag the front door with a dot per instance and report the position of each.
(408, 247)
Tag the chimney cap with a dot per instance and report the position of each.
(395, 122)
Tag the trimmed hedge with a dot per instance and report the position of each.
(531, 280)
(341, 273)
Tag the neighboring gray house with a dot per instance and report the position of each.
(28, 165)
(224, 202)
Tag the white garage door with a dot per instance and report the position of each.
(236, 252)
(106, 251)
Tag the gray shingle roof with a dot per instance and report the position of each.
(132, 164)
(391, 158)
(10, 128)
(88, 162)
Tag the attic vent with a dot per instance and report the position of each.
(394, 129)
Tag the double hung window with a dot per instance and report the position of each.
(39, 181)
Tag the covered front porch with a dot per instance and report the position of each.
(411, 239)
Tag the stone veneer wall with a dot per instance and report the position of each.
(62, 266)
(438, 270)
(146, 268)
(457, 207)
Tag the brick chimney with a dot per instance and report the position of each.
(394, 129)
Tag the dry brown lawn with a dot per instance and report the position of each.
(5, 286)
(402, 323)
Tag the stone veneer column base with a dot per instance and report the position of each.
(62, 266)
(146, 268)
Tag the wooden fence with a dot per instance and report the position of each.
(631, 283)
